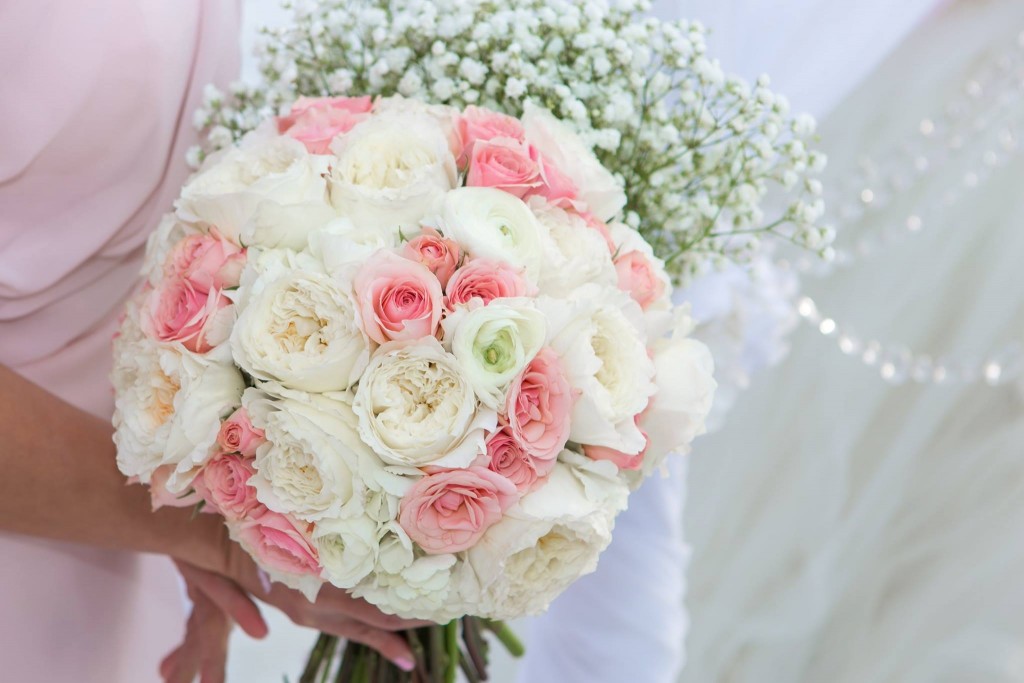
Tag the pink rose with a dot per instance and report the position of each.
(508, 458)
(485, 279)
(439, 254)
(398, 298)
(538, 406)
(223, 484)
(505, 164)
(594, 223)
(316, 121)
(638, 277)
(208, 261)
(449, 511)
(479, 124)
(281, 543)
(238, 435)
(556, 187)
(161, 497)
(177, 311)
(623, 461)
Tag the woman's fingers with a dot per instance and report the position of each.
(391, 645)
(338, 600)
(229, 597)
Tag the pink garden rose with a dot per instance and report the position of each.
(238, 435)
(316, 121)
(505, 164)
(479, 124)
(556, 187)
(223, 484)
(398, 299)
(280, 543)
(508, 458)
(594, 223)
(177, 311)
(161, 497)
(638, 277)
(449, 511)
(538, 406)
(208, 261)
(439, 254)
(623, 461)
(486, 279)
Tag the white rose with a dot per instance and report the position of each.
(493, 343)
(267, 192)
(347, 549)
(599, 334)
(493, 224)
(343, 247)
(298, 326)
(392, 170)
(416, 407)
(168, 405)
(561, 147)
(684, 374)
(574, 255)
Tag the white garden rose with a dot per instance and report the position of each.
(343, 246)
(560, 146)
(268, 191)
(627, 240)
(493, 343)
(490, 223)
(575, 253)
(313, 464)
(392, 170)
(168, 406)
(298, 326)
(417, 407)
(160, 243)
(347, 549)
(599, 333)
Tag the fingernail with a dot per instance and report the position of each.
(404, 664)
(264, 580)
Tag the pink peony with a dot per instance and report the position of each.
(623, 461)
(208, 261)
(281, 543)
(223, 484)
(479, 124)
(316, 121)
(177, 311)
(450, 510)
(538, 405)
(485, 279)
(238, 435)
(638, 277)
(508, 458)
(439, 254)
(505, 164)
(398, 298)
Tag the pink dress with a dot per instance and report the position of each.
(96, 104)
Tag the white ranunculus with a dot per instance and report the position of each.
(168, 405)
(347, 549)
(493, 343)
(416, 407)
(552, 538)
(574, 255)
(392, 170)
(599, 333)
(419, 591)
(298, 326)
(684, 374)
(490, 223)
(560, 146)
(313, 465)
(268, 191)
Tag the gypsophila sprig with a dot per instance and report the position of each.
(698, 151)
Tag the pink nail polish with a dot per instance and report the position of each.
(405, 664)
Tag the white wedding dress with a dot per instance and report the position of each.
(846, 530)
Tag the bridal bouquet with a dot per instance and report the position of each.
(409, 350)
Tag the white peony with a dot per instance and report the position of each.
(560, 146)
(347, 549)
(490, 223)
(298, 326)
(392, 170)
(416, 407)
(493, 343)
(575, 253)
(268, 191)
(599, 333)
(313, 464)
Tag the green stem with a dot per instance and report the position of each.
(316, 656)
(436, 660)
(348, 663)
(451, 638)
(419, 655)
(468, 669)
(506, 637)
(476, 646)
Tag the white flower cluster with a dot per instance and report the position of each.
(697, 151)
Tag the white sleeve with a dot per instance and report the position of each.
(626, 621)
